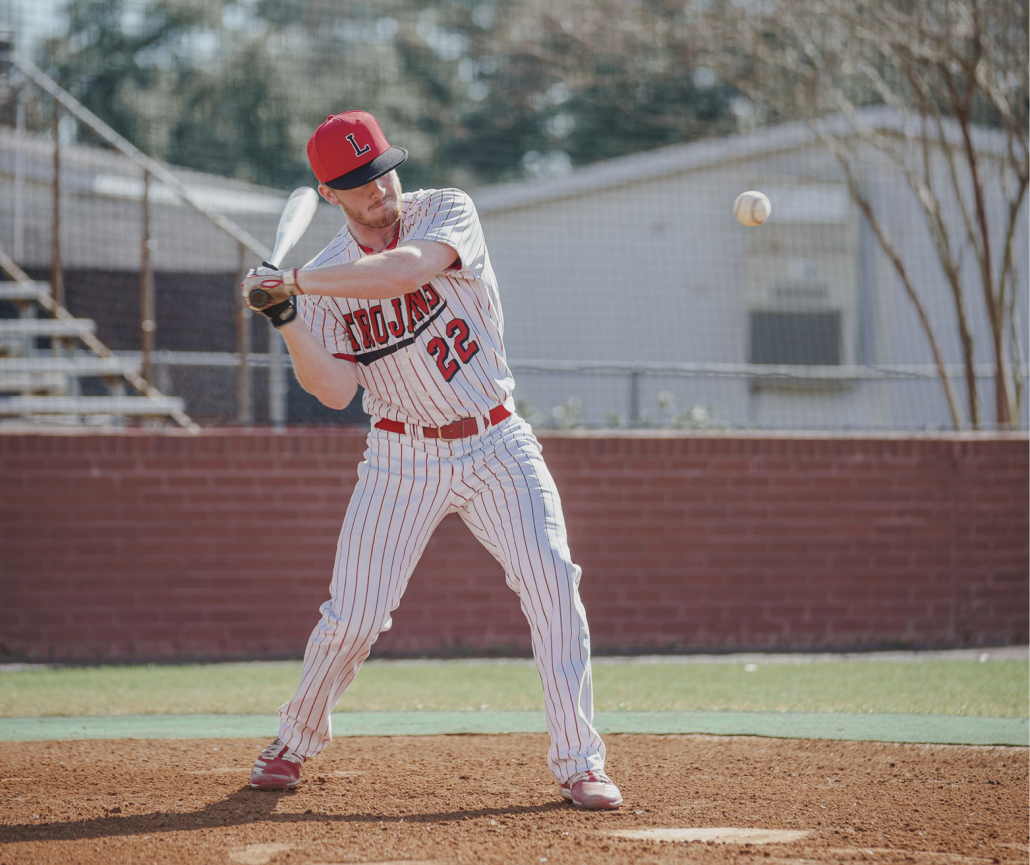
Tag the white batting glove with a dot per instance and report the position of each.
(263, 288)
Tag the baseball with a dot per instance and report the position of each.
(752, 208)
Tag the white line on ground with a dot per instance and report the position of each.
(717, 835)
(984, 655)
(993, 653)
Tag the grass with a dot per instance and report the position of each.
(995, 688)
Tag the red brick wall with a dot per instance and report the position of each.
(137, 546)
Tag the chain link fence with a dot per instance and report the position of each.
(631, 296)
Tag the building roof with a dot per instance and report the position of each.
(108, 173)
(708, 153)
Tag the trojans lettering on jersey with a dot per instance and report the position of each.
(407, 315)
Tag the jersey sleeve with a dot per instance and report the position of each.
(450, 217)
(322, 318)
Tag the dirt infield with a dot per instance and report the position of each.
(490, 799)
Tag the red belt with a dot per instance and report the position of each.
(460, 429)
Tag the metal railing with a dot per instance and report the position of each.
(633, 374)
(754, 374)
(152, 168)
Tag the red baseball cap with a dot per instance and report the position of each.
(349, 150)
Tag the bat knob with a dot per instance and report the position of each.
(258, 299)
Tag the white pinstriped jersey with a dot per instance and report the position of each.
(434, 355)
(426, 359)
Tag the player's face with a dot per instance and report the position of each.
(377, 204)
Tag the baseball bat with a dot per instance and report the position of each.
(297, 214)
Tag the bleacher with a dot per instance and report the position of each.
(45, 353)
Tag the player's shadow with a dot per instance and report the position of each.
(238, 809)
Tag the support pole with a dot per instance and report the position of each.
(244, 403)
(276, 379)
(56, 270)
(634, 398)
(19, 180)
(26, 309)
(147, 314)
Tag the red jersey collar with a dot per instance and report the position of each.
(391, 245)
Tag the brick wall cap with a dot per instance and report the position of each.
(1020, 435)
(347, 430)
(28, 430)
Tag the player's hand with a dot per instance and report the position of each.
(263, 288)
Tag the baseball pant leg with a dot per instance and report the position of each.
(516, 514)
(397, 503)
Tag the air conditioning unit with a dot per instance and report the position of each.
(803, 269)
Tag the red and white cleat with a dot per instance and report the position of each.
(593, 791)
(278, 768)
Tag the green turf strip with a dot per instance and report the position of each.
(931, 687)
(937, 729)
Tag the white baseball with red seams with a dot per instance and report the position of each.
(427, 359)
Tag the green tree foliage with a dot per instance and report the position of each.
(176, 82)
(584, 80)
(477, 91)
(110, 54)
(237, 126)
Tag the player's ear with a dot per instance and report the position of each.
(328, 193)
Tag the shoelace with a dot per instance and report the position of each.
(594, 777)
(279, 750)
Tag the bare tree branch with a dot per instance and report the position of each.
(943, 66)
(899, 266)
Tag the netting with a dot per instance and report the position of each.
(604, 158)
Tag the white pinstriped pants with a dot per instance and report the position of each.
(501, 488)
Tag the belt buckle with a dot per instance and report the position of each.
(462, 425)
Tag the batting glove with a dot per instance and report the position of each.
(265, 288)
(280, 313)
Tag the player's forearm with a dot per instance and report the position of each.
(388, 274)
(331, 380)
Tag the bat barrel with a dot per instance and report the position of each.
(296, 216)
(259, 299)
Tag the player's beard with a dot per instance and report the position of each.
(381, 214)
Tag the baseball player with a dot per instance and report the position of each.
(404, 302)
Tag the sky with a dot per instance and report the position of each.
(31, 20)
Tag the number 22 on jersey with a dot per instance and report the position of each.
(464, 348)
